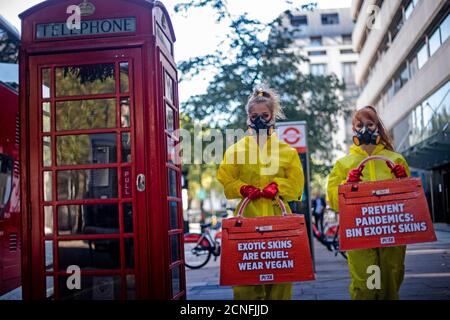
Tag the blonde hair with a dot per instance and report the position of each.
(269, 98)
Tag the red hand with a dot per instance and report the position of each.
(270, 191)
(251, 192)
(399, 171)
(354, 175)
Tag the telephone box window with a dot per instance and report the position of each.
(47, 186)
(164, 40)
(48, 220)
(46, 116)
(49, 288)
(128, 217)
(46, 84)
(174, 246)
(89, 254)
(48, 255)
(175, 280)
(168, 93)
(172, 183)
(92, 288)
(124, 77)
(88, 219)
(85, 80)
(129, 253)
(126, 147)
(47, 151)
(170, 150)
(86, 114)
(86, 149)
(125, 113)
(170, 123)
(87, 184)
(131, 287)
(173, 212)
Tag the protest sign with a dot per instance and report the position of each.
(383, 213)
(265, 250)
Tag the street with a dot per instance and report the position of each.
(427, 275)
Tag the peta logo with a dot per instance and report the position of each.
(266, 277)
(387, 240)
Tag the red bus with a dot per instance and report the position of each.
(9, 190)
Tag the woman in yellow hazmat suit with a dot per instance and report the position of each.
(370, 139)
(261, 167)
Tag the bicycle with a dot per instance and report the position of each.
(199, 247)
(329, 236)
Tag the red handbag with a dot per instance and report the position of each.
(383, 213)
(265, 250)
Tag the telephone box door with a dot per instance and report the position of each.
(88, 229)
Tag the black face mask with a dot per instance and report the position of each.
(366, 136)
(259, 123)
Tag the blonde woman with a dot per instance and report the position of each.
(252, 180)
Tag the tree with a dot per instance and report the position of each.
(246, 59)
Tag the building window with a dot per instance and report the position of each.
(396, 25)
(431, 115)
(413, 66)
(347, 39)
(299, 21)
(347, 51)
(434, 41)
(422, 56)
(330, 18)
(317, 53)
(445, 28)
(318, 69)
(409, 8)
(348, 72)
(404, 74)
(316, 41)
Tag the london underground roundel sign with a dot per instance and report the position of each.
(294, 134)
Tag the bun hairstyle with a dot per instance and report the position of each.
(269, 98)
(370, 112)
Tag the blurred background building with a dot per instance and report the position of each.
(404, 71)
(324, 37)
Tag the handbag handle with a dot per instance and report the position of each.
(388, 161)
(247, 200)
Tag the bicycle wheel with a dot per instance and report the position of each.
(197, 250)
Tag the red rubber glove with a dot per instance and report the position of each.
(354, 175)
(270, 191)
(398, 170)
(251, 192)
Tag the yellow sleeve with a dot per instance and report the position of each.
(291, 187)
(336, 177)
(228, 175)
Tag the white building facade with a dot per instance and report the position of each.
(324, 37)
(404, 71)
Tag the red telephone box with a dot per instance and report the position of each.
(101, 190)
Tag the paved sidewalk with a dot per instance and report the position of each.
(427, 275)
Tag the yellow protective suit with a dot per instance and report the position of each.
(247, 163)
(389, 259)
